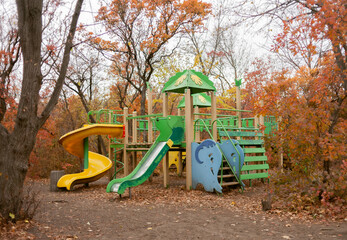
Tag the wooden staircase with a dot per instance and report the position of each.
(225, 176)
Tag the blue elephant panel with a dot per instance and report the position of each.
(232, 156)
(206, 161)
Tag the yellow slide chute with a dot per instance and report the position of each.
(98, 164)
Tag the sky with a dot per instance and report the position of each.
(256, 34)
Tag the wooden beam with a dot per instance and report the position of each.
(238, 105)
(214, 114)
(189, 137)
(150, 110)
(197, 133)
(126, 140)
(180, 160)
(112, 170)
(166, 157)
(261, 117)
(134, 140)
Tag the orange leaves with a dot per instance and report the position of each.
(51, 48)
(298, 39)
(311, 130)
(153, 23)
(139, 32)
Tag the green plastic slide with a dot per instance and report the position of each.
(171, 132)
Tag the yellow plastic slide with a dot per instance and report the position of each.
(98, 164)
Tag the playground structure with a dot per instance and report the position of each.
(239, 154)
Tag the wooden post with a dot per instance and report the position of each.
(256, 121)
(134, 128)
(197, 132)
(281, 148)
(166, 157)
(261, 117)
(214, 114)
(150, 110)
(126, 140)
(180, 164)
(189, 137)
(238, 105)
(111, 171)
(150, 124)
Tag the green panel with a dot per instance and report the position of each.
(270, 124)
(254, 175)
(195, 81)
(255, 158)
(141, 125)
(251, 142)
(254, 150)
(224, 122)
(255, 167)
(199, 99)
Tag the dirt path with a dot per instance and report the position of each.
(157, 213)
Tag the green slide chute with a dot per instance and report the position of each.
(171, 133)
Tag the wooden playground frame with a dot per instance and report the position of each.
(132, 122)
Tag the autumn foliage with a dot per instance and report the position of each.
(309, 103)
(140, 33)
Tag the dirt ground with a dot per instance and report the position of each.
(153, 212)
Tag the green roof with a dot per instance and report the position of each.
(195, 81)
(199, 99)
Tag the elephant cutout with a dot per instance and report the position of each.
(232, 156)
(206, 161)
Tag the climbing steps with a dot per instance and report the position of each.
(225, 176)
(252, 143)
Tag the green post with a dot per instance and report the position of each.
(85, 144)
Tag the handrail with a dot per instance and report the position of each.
(106, 113)
(233, 110)
(204, 124)
(237, 177)
(211, 135)
(145, 116)
(208, 131)
(209, 114)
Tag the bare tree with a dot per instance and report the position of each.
(218, 51)
(9, 56)
(83, 79)
(140, 33)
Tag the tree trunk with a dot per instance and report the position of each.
(15, 147)
(143, 110)
(14, 154)
(143, 100)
